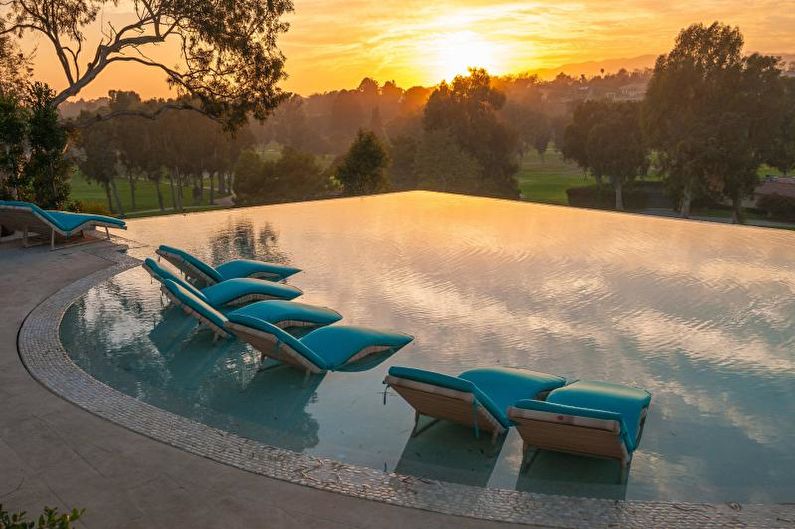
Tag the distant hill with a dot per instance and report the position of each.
(591, 68)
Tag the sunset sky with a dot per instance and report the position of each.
(335, 43)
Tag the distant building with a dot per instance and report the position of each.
(631, 92)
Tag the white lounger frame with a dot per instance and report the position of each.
(444, 403)
(24, 219)
(218, 331)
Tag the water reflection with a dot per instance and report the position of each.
(450, 452)
(702, 315)
(556, 473)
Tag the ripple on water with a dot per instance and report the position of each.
(701, 315)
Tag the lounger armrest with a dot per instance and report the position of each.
(429, 388)
(559, 413)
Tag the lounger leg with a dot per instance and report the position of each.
(417, 431)
(52, 241)
(530, 461)
(25, 237)
(107, 232)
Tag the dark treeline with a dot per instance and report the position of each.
(176, 148)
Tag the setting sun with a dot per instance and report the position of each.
(455, 52)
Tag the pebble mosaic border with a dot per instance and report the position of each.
(44, 356)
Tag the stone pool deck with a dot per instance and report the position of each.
(54, 453)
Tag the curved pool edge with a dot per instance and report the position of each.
(44, 356)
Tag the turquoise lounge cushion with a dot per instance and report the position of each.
(206, 269)
(188, 299)
(337, 344)
(505, 386)
(626, 401)
(280, 335)
(65, 220)
(68, 221)
(249, 267)
(226, 291)
(161, 274)
(275, 311)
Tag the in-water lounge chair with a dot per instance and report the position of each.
(196, 269)
(479, 398)
(278, 313)
(334, 348)
(231, 292)
(587, 418)
(27, 217)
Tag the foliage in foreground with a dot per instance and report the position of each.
(49, 519)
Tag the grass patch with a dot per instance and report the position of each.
(546, 180)
(145, 194)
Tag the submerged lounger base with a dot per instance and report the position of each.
(218, 331)
(263, 341)
(444, 403)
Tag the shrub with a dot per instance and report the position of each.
(777, 206)
(49, 519)
(604, 197)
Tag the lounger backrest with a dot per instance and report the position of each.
(573, 415)
(32, 208)
(449, 382)
(203, 267)
(280, 337)
(186, 297)
(161, 274)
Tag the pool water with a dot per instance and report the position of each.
(701, 315)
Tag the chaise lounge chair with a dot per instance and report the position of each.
(230, 292)
(278, 313)
(477, 398)
(587, 418)
(196, 269)
(27, 217)
(335, 348)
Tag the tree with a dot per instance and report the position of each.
(781, 153)
(98, 160)
(294, 175)
(605, 139)
(709, 113)
(251, 178)
(468, 109)
(13, 137)
(362, 171)
(442, 165)
(229, 60)
(47, 170)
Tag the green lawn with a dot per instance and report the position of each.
(145, 194)
(547, 180)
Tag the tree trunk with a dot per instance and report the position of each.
(221, 184)
(173, 191)
(115, 191)
(212, 189)
(687, 197)
(132, 189)
(179, 189)
(619, 186)
(111, 207)
(738, 216)
(201, 187)
(159, 195)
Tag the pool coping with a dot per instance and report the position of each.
(44, 356)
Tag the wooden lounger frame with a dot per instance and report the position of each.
(191, 271)
(24, 219)
(218, 331)
(572, 434)
(187, 267)
(235, 302)
(270, 347)
(444, 403)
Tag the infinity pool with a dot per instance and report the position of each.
(702, 315)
